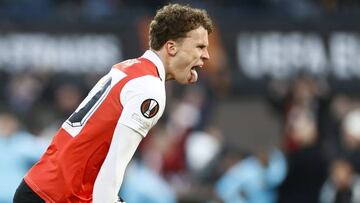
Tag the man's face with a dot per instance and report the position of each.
(191, 53)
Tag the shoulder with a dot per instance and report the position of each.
(148, 86)
(143, 101)
(137, 68)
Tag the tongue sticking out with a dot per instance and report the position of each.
(193, 76)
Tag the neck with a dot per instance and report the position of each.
(165, 60)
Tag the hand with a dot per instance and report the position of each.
(120, 200)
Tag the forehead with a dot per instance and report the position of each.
(199, 36)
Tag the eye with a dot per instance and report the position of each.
(201, 46)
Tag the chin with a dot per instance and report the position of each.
(183, 82)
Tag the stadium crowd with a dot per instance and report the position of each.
(187, 157)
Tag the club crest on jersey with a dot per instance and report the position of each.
(149, 108)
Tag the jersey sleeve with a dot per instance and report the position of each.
(143, 101)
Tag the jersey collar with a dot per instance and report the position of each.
(155, 59)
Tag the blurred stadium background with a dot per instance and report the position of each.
(274, 118)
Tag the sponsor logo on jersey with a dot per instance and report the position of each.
(149, 108)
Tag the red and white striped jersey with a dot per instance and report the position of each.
(132, 94)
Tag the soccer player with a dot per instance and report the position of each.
(88, 156)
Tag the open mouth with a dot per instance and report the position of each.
(193, 76)
(195, 67)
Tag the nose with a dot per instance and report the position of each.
(205, 55)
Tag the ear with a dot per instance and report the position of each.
(171, 47)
